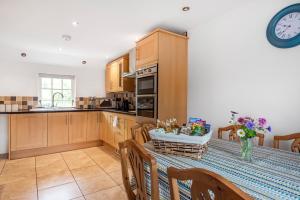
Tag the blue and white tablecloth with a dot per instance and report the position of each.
(272, 174)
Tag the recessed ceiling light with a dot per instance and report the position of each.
(186, 8)
(83, 62)
(59, 49)
(23, 54)
(75, 23)
(66, 37)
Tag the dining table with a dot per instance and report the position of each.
(271, 174)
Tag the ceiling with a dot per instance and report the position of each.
(106, 29)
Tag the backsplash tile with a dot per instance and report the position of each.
(23, 102)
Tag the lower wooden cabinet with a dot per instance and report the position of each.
(28, 131)
(93, 126)
(58, 129)
(77, 127)
(113, 135)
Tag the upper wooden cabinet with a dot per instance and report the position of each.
(114, 82)
(28, 131)
(147, 51)
(77, 127)
(58, 129)
(93, 126)
(170, 51)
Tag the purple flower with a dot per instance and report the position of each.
(262, 121)
(250, 125)
(269, 128)
(241, 120)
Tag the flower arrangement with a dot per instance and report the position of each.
(248, 129)
(249, 126)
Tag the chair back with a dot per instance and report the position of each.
(233, 134)
(295, 147)
(206, 185)
(142, 129)
(137, 156)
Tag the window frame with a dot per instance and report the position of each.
(58, 76)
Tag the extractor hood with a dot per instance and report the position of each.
(131, 73)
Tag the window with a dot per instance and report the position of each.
(61, 86)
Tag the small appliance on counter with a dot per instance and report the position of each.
(107, 103)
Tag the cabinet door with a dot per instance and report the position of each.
(108, 79)
(109, 131)
(114, 76)
(28, 131)
(77, 127)
(147, 51)
(58, 129)
(119, 132)
(102, 128)
(93, 126)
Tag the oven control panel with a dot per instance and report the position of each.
(145, 71)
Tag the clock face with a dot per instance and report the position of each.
(288, 26)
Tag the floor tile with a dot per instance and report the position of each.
(94, 184)
(19, 166)
(87, 172)
(55, 166)
(45, 160)
(94, 151)
(63, 192)
(2, 162)
(117, 177)
(24, 189)
(56, 179)
(79, 160)
(18, 176)
(109, 164)
(115, 193)
(79, 198)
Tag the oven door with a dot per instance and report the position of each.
(146, 107)
(147, 84)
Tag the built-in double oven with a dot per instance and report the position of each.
(146, 94)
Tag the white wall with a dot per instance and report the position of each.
(20, 79)
(233, 67)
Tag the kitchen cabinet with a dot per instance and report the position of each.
(77, 127)
(170, 52)
(147, 51)
(114, 82)
(93, 126)
(28, 131)
(58, 129)
(121, 132)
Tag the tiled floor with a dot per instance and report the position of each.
(87, 174)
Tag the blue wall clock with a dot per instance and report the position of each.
(284, 28)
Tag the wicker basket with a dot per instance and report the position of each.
(177, 145)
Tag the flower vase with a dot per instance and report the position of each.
(246, 149)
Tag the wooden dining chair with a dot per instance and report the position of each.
(233, 134)
(137, 156)
(206, 185)
(295, 147)
(142, 129)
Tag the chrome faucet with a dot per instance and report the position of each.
(54, 96)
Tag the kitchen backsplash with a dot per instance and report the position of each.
(28, 102)
(85, 102)
(23, 102)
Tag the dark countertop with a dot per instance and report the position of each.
(50, 110)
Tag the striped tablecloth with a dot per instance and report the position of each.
(272, 174)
